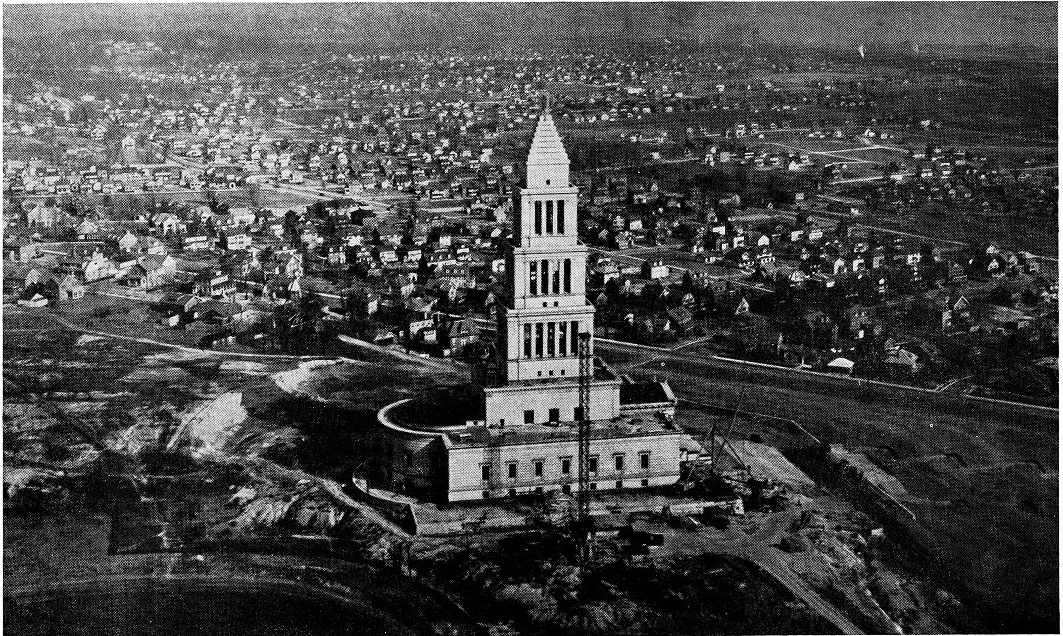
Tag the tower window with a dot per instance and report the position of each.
(549, 217)
(644, 460)
(561, 217)
(618, 461)
(555, 415)
(568, 276)
(566, 465)
(577, 414)
(546, 280)
(550, 351)
(563, 344)
(538, 217)
(527, 340)
(592, 465)
(538, 340)
(575, 337)
(512, 470)
(485, 472)
(529, 417)
(533, 278)
(538, 468)
(556, 278)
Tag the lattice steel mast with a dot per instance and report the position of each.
(586, 372)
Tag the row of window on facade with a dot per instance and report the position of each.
(551, 227)
(566, 466)
(551, 339)
(553, 415)
(551, 277)
(567, 488)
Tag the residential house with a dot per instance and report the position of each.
(176, 308)
(654, 268)
(47, 217)
(71, 288)
(681, 319)
(286, 263)
(901, 358)
(242, 216)
(988, 265)
(158, 270)
(36, 300)
(87, 230)
(168, 224)
(604, 272)
(197, 242)
(149, 245)
(238, 240)
(21, 249)
(128, 242)
(456, 333)
(214, 285)
(38, 275)
(217, 312)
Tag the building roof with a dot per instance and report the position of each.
(632, 393)
(482, 436)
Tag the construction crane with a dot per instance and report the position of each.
(586, 371)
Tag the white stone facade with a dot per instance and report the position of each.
(552, 465)
(545, 305)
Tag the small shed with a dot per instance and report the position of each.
(841, 365)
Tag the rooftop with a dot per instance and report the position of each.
(457, 413)
(645, 393)
(623, 426)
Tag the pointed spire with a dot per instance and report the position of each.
(548, 162)
(546, 146)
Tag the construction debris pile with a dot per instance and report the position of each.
(303, 511)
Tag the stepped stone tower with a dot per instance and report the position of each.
(545, 308)
(519, 436)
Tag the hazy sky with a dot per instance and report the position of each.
(835, 24)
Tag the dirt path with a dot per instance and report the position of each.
(769, 559)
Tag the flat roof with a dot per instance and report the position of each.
(645, 393)
(620, 427)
